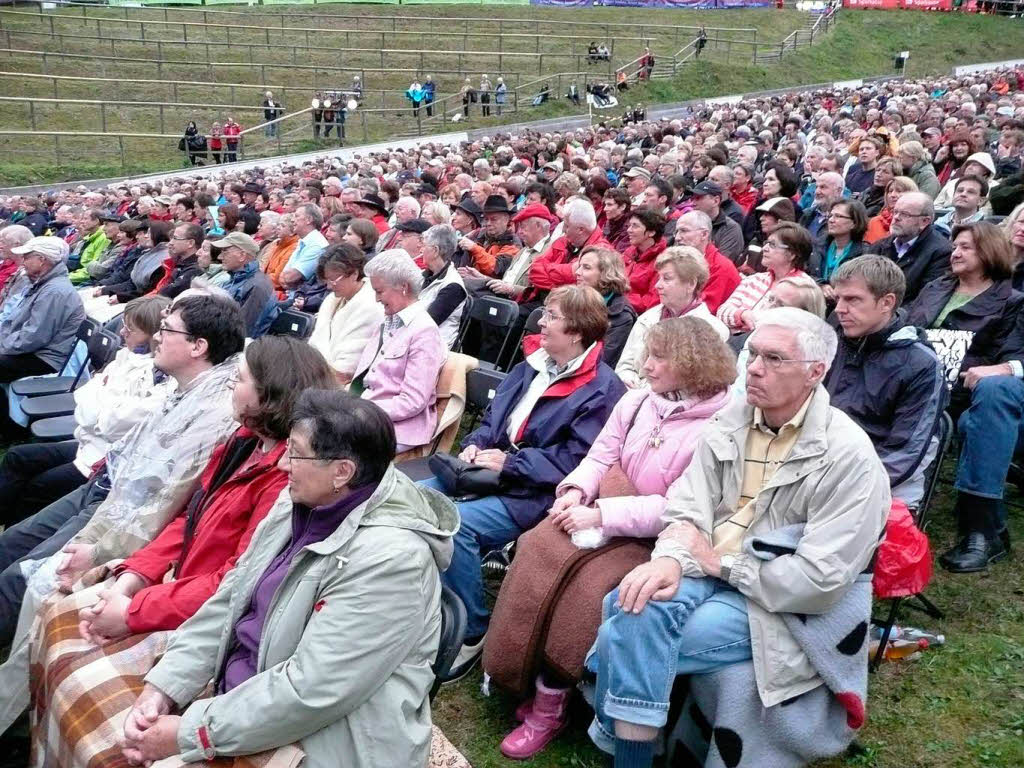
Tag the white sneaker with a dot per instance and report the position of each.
(467, 658)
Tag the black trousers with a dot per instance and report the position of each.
(34, 475)
(12, 368)
(37, 538)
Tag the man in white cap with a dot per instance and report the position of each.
(249, 286)
(635, 181)
(37, 336)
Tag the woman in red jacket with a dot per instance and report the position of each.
(646, 243)
(124, 621)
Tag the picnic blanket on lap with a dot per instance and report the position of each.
(81, 695)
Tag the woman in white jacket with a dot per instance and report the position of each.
(106, 407)
(682, 275)
(350, 315)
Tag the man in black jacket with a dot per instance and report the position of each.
(914, 244)
(885, 376)
(183, 248)
(271, 111)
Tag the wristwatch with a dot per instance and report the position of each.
(725, 568)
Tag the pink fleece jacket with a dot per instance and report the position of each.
(651, 459)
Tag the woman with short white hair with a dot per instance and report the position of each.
(399, 368)
(443, 294)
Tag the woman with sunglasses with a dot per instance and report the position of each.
(786, 253)
(126, 620)
(350, 314)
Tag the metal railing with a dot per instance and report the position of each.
(365, 123)
(394, 19)
(102, 22)
(477, 58)
(269, 48)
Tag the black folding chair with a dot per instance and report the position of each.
(495, 316)
(102, 347)
(481, 387)
(293, 323)
(921, 516)
(51, 385)
(453, 633)
(533, 322)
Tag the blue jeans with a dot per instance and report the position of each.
(992, 429)
(270, 129)
(485, 524)
(637, 655)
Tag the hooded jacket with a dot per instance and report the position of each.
(350, 692)
(556, 436)
(178, 275)
(45, 321)
(891, 384)
(556, 266)
(833, 484)
(991, 315)
(652, 439)
(642, 275)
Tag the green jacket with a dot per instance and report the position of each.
(345, 658)
(95, 245)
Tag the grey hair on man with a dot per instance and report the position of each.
(581, 212)
(396, 268)
(815, 339)
(697, 220)
(314, 213)
(444, 238)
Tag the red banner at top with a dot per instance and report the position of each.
(891, 5)
(927, 5)
(872, 4)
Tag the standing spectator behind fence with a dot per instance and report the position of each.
(485, 96)
(232, 132)
(216, 142)
(501, 94)
(193, 143)
(271, 111)
(468, 96)
(429, 89)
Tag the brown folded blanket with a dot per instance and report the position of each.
(549, 607)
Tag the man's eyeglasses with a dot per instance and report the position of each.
(772, 360)
(165, 329)
(906, 215)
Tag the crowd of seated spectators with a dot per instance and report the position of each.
(732, 338)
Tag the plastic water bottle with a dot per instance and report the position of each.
(913, 633)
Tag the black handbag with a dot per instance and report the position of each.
(460, 478)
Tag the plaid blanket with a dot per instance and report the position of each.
(81, 695)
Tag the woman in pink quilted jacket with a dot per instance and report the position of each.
(620, 486)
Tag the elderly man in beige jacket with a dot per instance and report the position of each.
(783, 458)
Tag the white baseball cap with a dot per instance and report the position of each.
(53, 248)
